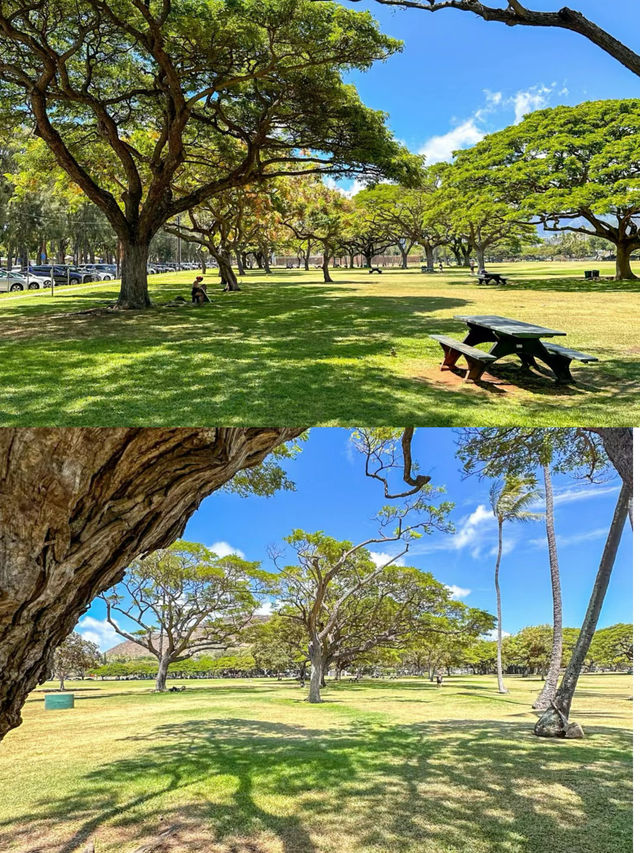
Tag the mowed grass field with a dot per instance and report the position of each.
(247, 766)
(290, 350)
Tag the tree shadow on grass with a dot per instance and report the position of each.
(461, 787)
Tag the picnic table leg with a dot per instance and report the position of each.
(450, 357)
(558, 363)
(475, 369)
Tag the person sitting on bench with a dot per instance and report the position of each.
(199, 292)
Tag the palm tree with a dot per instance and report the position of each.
(553, 673)
(510, 501)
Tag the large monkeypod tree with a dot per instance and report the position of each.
(77, 506)
(567, 169)
(132, 96)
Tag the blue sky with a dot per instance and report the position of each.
(334, 495)
(460, 77)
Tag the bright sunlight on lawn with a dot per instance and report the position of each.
(291, 350)
(247, 766)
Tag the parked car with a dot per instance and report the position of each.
(103, 272)
(63, 274)
(18, 281)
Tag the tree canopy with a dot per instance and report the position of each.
(152, 108)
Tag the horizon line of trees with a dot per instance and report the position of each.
(566, 172)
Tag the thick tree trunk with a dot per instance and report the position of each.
(227, 273)
(428, 252)
(77, 506)
(404, 254)
(265, 261)
(623, 262)
(368, 259)
(553, 674)
(501, 687)
(133, 287)
(325, 268)
(307, 255)
(161, 675)
(317, 672)
(351, 260)
(480, 257)
(618, 445)
(239, 263)
(553, 722)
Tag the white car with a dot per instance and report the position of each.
(18, 281)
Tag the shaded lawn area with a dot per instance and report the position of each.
(289, 350)
(246, 766)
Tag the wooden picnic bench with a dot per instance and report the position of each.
(488, 277)
(477, 360)
(514, 337)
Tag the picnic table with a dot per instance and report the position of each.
(515, 337)
(485, 277)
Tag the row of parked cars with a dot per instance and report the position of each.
(39, 275)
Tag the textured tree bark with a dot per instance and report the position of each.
(316, 674)
(76, 506)
(325, 268)
(161, 675)
(623, 262)
(480, 257)
(553, 673)
(133, 287)
(618, 445)
(553, 721)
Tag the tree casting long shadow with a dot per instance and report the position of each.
(461, 786)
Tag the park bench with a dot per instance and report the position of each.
(375, 269)
(488, 277)
(563, 356)
(477, 360)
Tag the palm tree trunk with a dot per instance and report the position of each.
(553, 722)
(501, 687)
(553, 673)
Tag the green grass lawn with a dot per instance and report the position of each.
(290, 350)
(246, 766)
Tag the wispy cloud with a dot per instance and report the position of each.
(572, 539)
(572, 494)
(498, 110)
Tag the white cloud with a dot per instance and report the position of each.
(528, 100)
(571, 494)
(224, 549)
(380, 558)
(499, 110)
(266, 608)
(456, 591)
(98, 631)
(348, 190)
(573, 539)
(439, 148)
(493, 634)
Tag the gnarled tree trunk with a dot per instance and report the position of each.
(317, 672)
(77, 506)
(161, 675)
